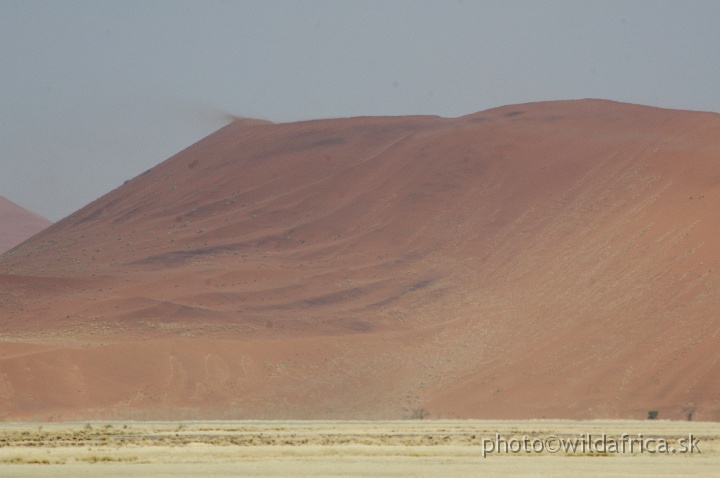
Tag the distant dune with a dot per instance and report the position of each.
(17, 224)
(554, 260)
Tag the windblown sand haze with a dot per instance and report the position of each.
(17, 224)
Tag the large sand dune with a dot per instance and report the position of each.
(543, 260)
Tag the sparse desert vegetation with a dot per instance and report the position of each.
(333, 448)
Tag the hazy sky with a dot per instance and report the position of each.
(94, 93)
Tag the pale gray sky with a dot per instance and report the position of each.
(94, 93)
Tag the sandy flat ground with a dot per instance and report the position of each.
(332, 448)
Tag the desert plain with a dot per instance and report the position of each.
(425, 448)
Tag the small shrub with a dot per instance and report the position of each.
(419, 414)
(652, 414)
(99, 459)
(689, 411)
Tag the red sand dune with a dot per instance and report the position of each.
(17, 224)
(552, 259)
